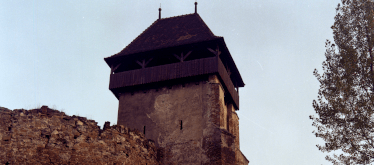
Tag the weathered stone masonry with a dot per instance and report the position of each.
(191, 121)
(46, 136)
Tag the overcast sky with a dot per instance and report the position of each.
(51, 53)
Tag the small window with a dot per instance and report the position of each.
(181, 125)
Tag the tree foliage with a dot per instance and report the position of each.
(345, 103)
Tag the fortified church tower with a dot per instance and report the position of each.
(178, 84)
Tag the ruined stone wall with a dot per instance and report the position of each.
(46, 136)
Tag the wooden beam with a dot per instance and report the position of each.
(179, 58)
(216, 52)
(143, 63)
(186, 55)
(148, 61)
(182, 57)
(113, 69)
(228, 70)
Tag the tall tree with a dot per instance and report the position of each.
(345, 103)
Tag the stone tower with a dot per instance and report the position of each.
(178, 84)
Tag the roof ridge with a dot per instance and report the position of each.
(131, 47)
(198, 16)
(153, 24)
(178, 16)
(205, 24)
(136, 37)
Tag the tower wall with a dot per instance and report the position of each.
(190, 120)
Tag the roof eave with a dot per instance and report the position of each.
(232, 63)
(109, 60)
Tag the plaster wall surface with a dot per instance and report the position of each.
(168, 114)
(173, 116)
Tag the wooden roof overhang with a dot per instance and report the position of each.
(222, 65)
(218, 42)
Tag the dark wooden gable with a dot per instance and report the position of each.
(174, 48)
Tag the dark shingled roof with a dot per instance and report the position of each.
(169, 32)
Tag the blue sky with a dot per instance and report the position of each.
(51, 53)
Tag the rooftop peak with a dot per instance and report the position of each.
(195, 6)
(159, 12)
